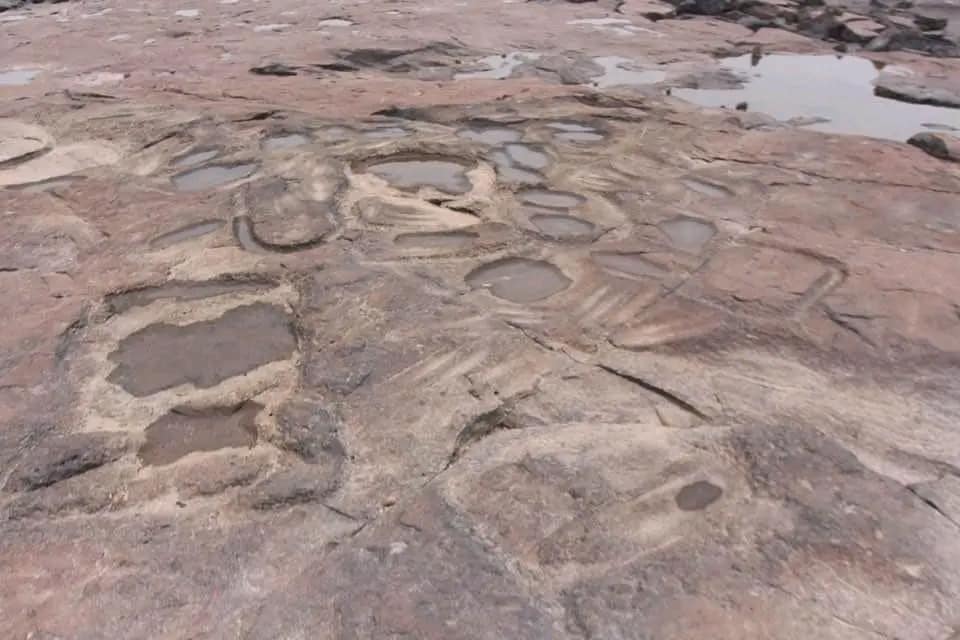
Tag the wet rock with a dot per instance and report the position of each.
(938, 145)
(62, 457)
(300, 484)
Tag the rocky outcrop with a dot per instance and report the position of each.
(938, 145)
(434, 328)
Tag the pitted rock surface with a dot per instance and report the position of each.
(453, 320)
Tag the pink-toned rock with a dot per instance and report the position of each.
(403, 337)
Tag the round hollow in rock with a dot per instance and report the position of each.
(519, 280)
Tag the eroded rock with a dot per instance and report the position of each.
(62, 457)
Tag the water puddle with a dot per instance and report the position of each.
(578, 137)
(574, 127)
(436, 239)
(195, 158)
(276, 26)
(500, 66)
(212, 176)
(551, 199)
(705, 188)
(697, 496)
(688, 234)
(335, 133)
(188, 232)
(492, 136)
(630, 264)
(285, 141)
(839, 89)
(444, 175)
(335, 22)
(527, 156)
(18, 77)
(513, 175)
(561, 227)
(619, 26)
(519, 280)
(386, 133)
(202, 354)
(184, 431)
(575, 132)
(619, 71)
(509, 173)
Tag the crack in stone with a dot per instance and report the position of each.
(660, 391)
(933, 505)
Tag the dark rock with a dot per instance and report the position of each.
(62, 457)
(300, 484)
(822, 23)
(771, 11)
(914, 40)
(704, 7)
(754, 23)
(214, 475)
(275, 69)
(938, 145)
(61, 499)
(344, 369)
(929, 23)
(308, 429)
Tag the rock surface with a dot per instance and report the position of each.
(442, 320)
(939, 145)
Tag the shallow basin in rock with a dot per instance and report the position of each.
(413, 172)
(520, 280)
(212, 176)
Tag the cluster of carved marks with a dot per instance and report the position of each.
(602, 378)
